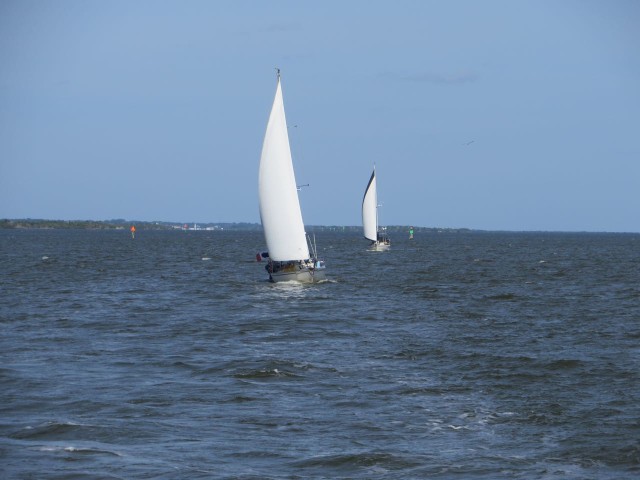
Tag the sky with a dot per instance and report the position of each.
(492, 115)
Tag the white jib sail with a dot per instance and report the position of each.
(279, 205)
(369, 209)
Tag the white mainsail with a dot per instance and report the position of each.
(370, 209)
(279, 205)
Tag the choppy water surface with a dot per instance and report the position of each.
(471, 355)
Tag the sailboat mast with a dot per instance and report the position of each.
(376, 193)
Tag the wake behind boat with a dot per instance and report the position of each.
(378, 237)
(288, 251)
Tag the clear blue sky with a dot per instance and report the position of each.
(497, 115)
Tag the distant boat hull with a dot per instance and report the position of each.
(380, 246)
(303, 272)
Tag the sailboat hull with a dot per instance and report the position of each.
(380, 246)
(304, 275)
(303, 272)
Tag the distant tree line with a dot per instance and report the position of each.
(49, 224)
(120, 224)
(390, 229)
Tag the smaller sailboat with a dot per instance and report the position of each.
(378, 236)
(289, 257)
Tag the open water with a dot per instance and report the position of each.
(455, 355)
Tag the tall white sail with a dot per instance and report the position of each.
(279, 205)
(370, 209)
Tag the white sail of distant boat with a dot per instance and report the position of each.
(288, 252)
(378, 237)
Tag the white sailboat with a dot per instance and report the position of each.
(378, 236)
(288, 251)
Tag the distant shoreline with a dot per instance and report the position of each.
(121, 224)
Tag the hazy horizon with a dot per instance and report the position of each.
(352, 226)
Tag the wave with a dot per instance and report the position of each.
(79, 450)
(62, 431)
(384, 461)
